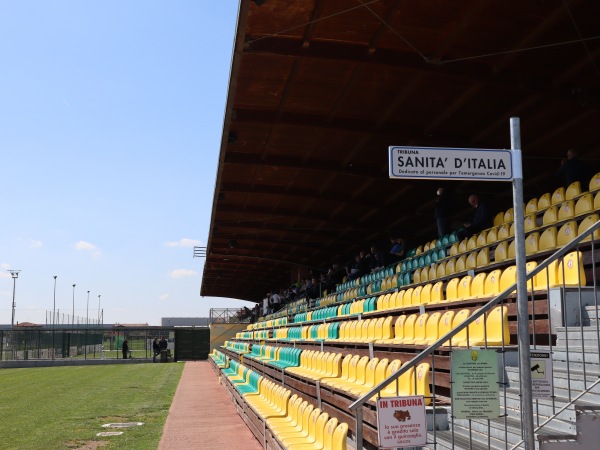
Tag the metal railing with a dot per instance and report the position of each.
(540, 339)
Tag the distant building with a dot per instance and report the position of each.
(185, 321)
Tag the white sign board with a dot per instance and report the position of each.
(450, 163)
(541, 374)
(401, 422)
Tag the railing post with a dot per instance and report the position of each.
(522, 300)
(359, 427)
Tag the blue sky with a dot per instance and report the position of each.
(111, 116)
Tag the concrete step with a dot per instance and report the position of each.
(586, 337)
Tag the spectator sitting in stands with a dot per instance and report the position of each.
(275, 301)
(572, 169)
(443, 211)
(377, 260)
(397, 251)
(480, 220)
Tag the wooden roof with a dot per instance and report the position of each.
(320, 88)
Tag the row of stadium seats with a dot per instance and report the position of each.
(295, 423)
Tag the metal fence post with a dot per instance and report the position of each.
(522, 299)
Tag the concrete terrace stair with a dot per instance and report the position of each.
(575, 370)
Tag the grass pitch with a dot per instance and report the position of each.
(64, 407)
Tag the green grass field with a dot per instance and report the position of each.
(64, 407)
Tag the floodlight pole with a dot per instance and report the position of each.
(522, 300)
(73, 311)
(15, 275)
(54, 315)
(87, 311)
(98, 309)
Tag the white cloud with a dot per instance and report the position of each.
(165, 297)
(88, 247)
(182, 273)
(183, 242)
(3, 270)
(33, 243)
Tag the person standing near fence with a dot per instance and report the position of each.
(155, 349)
(125, 349)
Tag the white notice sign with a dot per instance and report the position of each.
(450, 163)
(401, 422)
(541, 374)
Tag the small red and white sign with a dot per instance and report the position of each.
(401, 422)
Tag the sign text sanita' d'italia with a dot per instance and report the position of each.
(450, 163)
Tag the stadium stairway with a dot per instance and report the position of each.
(576, 427)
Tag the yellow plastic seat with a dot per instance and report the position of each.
(586, 224)
(399, 303)
(570, 270)
(392, 300)
(482, 239)
(453, 249)
(496, 331)
(374, 368)
(504, 232)
(472, 243)
(508, 278)
(483, 257)
(509, 215)
(357, 375)
(574, 190)
(558, 196)
(432, 273)
(464, 288)
(426, 294)
(418, 330)
(595, 183)
(530, 223)
(499, 219)
(408, 297)
(511, 250)
(459, 318)
(348, 369)
(422, 382)
(531, 206)
(317, 421)
(431, 330)
(492, 236)
(478, 285)
(387, 329)
(365, 375)
(584, 204)
(437, 292)
(544, 201)
(548, 239)
(398, 332)
(462, 246)
(566, 210)
(417, 276)
(461, 264)
(440, 270)
(548, 277)
(452, 289)
(492, 283)
(566, 233)
(445, 324)
(409, 329)
(416, 296)
(597, 201)
(532, 243)
(339, 437)
(474, 336)
(390, 389)
(501, 251)
(550, 216)
(471, 261)
(451, 267)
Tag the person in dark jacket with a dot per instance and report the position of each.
(480, 220)
(155, 349)
(572, 169)
(125, 349)
(443, 211)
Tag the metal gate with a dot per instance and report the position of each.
(192, 344)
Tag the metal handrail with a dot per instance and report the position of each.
(357, 405)
(555, 415)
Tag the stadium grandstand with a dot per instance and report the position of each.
(319, 90)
